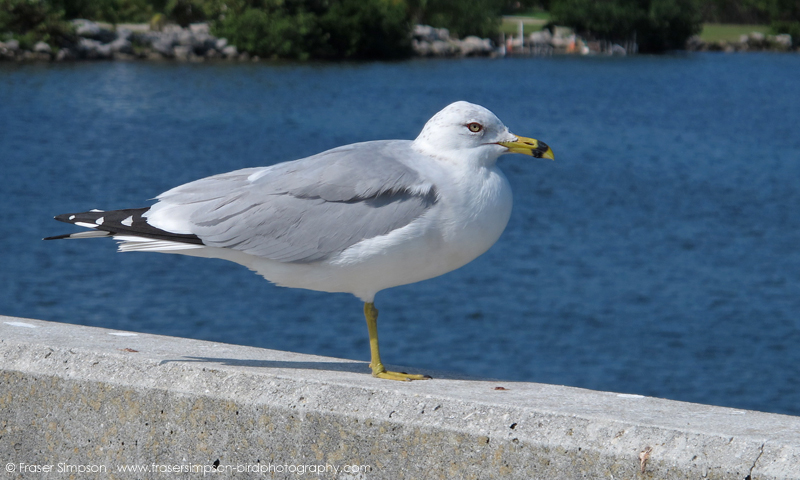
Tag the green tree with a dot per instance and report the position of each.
(785, 18)
(185, 12)
(299, 29)
(270, 33)
(112, 11)
(783, 15)
(461, 17)
(736, 11)
(366, 29)
(31, 21)
(657, 25)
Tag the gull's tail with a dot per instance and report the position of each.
(129, 226)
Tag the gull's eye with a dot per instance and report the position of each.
(475, 127)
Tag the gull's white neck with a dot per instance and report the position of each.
(468, 157)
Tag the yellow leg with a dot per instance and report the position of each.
(378, 370)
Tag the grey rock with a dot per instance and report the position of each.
(104, 51)
(184, 37)
(164, 47)
(696, 44)
(87, 45)
(94, 49)
(784, 40)
(96, 41)
(6, 53)
(124, 33)
(86, 28)
(754, 41)
(42, 47)
(202, 42)
(65, 54)
(421, 47)
(475, 46)
(441, 48)
(429, 34)
(429, 41)
(181, 52)
(89, 29)
(200, 28)
(121, 45)
(230, 51)
(425, 33)
(172, 28)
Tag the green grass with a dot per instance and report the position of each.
(712, 32)
(530, 23)
(534, 13)
(715, 32)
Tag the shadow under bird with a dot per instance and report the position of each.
(358, 218)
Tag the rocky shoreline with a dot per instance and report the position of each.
(754, 42)
(97, 41)
(436, 42)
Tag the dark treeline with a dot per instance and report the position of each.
(656, 25)
(297, 29)
(336, 29)
(659, 25)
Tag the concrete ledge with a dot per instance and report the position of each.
(88, 402)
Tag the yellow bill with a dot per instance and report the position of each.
(529, 146)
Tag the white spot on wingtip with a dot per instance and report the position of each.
(95, 210)
(72, 217)
(87, 225)
(21, 324)
(124, 334)
(128, 221)
(100, 220)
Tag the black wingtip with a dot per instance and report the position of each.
(64, 217)
(129, 221)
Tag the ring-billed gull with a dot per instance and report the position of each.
(358, 218)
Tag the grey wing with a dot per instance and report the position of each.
(306, 210)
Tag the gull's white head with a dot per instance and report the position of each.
(464, 131)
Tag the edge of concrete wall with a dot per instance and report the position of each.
(94, 401)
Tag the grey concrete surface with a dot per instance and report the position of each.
(81, 402)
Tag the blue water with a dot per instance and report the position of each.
(659, 254)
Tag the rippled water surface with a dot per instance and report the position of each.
(659, 255)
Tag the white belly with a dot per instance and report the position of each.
(453, 233)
